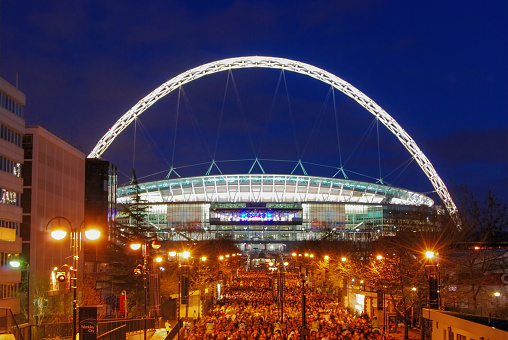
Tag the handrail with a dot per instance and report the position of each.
(15, 323)
(175, 330)
(111, 331)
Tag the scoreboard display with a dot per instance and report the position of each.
(256, 214)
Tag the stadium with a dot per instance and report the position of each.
(269, 212)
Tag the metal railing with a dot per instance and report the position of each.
(51, 330)
(175, 330)
(8, 324)
(131, 325)
(118, 333)
(64, 330)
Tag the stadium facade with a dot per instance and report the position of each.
(271, 212)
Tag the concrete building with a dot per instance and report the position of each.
(53, 193)
(12, 128)
(458, 326)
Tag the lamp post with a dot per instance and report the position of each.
(155, 244)
(303, 275)
(16, 262)
(304, 318)
(413, 289)
(59, 232)
(185, 255)
(434, 285)
(282, 278)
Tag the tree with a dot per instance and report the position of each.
(90, 295)
(479, 249)
(132, 224)
(398, 265)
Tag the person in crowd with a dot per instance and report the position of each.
(249, 311)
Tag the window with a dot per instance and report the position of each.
(9, 197)
(10, 166)
(11, 105)
(10, 135)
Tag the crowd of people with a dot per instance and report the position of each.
(249, 311)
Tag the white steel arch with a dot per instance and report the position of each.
(288, 65)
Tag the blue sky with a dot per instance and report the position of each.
(439, 68)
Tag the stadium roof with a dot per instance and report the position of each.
(270, 188)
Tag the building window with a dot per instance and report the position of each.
(9, 197)
(10, 135)
(9, 224)
(10, 166)
(11, 105)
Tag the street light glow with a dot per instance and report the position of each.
(379, 257)
(186, 254)
(156, 244)
(135, 246)
(92, 234)
(497, 294)
(429, 254)
(59, 234)
(15, 263)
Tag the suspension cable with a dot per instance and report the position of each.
(291, 114)
(221, 114)
(378, 150)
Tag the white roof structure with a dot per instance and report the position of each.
(297, 67)
(270, 188)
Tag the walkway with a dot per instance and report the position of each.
(160, 334)
(414, 334)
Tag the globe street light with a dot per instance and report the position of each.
(59, 231)
(155, 244)
(182, 286)
(434, 285)
(16, 262)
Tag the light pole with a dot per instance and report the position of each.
(16, 262)
(434, 285)
(185, 255)
(155, 244)
(59, 232)
(413, 307)
(304, 331)
(304, 318)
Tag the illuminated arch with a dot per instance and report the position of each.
(288, 65)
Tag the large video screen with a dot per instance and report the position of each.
(255, 215)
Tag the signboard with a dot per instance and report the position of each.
(392, 322)
(87, 323)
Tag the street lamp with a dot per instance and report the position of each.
(155, 244)
(59, 232)
(304, 330)
(16, 262)
(183, 285)
(434, 285)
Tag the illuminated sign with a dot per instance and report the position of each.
(255, 216)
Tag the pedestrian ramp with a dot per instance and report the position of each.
(160, 334)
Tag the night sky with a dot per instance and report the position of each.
(439, 68)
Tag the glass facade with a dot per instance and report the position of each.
(249, 223)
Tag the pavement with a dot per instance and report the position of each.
(414, 334)
(160, 334)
